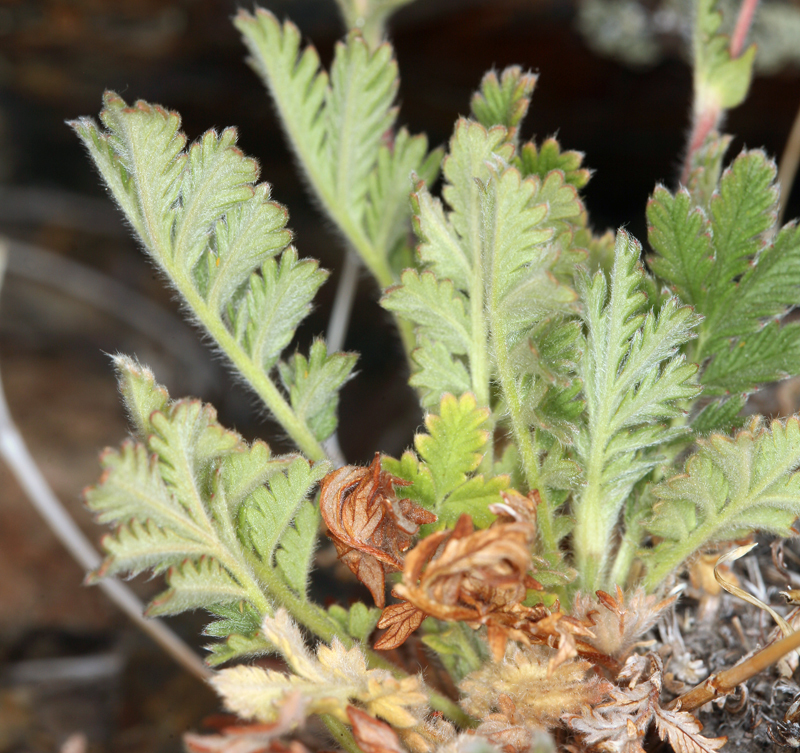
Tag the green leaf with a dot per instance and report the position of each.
(437, 373)
(276, 302)
(459, 648)
(141, 394)
(338, 131)
(358, 621)
(503, 101)
(453, 446)
(276, 518)
(237, 646)
(212, 232)
(730, 487)
(358, 110)
(388, 208)
(723, 264)
(706, 168)
(720, 415)
(443, 477)
(250, 233)
(680, 235)
(190, 498)
(633, 379)
(194, 585)
(296, 552)
(217, 178)
(140, 546)
(768, 355)
(721, 82)
(437, 308)
(314, 384)
(548, 157)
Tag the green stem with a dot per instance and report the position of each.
(624, 560)
(519, 426)
(295, 427)
(308, 614)
(341, 733)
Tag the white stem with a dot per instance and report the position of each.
(16, 454)
(337, 332)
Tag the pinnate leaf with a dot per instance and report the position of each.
(214, 234)
(730, 487)
(341, 131)
(443, 475)
(503, 101)
(281, 526)
(723, 264)
(634, 380)
(313, 384)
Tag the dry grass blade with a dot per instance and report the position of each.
(731, 588)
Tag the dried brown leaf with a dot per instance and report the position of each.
(372, 735)
(616, 622)
(370, 527)
(682, 731)
(400, 620)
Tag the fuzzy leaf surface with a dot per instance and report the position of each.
(443, 472)
(314, 383)
(337, 128)
(723, 264)
(180, 501)
(213, 232)
(634, 378)
(730, 487)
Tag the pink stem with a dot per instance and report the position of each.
(742, 28)
(705, 122)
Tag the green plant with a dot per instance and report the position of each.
(567, 379)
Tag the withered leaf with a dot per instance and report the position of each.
(370, 527)
(371, 734)
(682, 731)
(400, 620)
(478, 577)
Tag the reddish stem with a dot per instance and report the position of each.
(705, 122)
(742, 28)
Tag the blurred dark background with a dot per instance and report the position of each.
(56, 58)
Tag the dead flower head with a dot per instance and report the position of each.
(370, 527)
(618, 622)
(523, 692)
(478, 577)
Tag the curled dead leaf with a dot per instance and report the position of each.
(478, 577)
(370, 527)
(371, 734)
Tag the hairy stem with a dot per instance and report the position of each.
(743, 23)
(724, 682)
(341, 733)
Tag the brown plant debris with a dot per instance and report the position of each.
(478, 577)
(616, 624)
(370, 527)
(523, 693)
(620, 724)
(372, 735)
